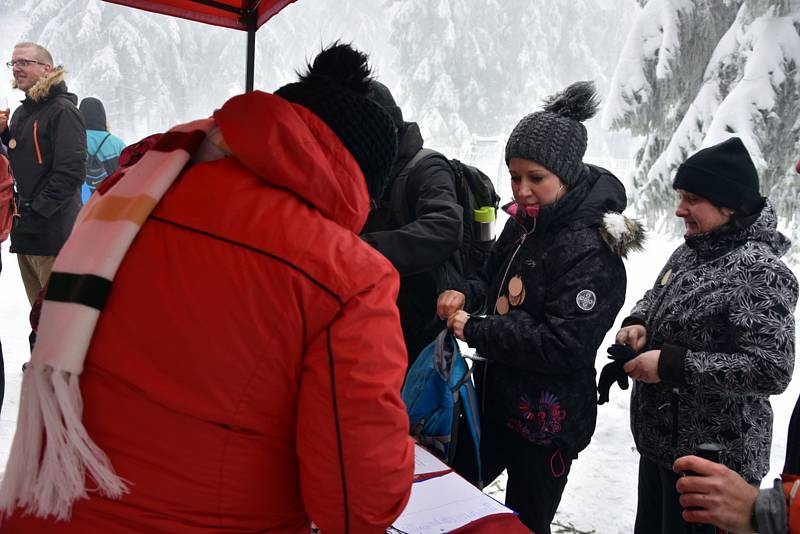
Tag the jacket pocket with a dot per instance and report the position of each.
(29, 222)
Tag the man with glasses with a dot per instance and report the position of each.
(46, 142)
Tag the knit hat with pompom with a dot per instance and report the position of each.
(335, 88)
(555, 137)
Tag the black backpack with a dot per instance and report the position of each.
(96, 170)
(473, 190)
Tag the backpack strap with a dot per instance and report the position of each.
(100, 145)
(421, 154)
(397, 186)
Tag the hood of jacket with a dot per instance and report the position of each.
(94, 114)
(48, 86)
(289, 147)
(409, 142)
(762, 228)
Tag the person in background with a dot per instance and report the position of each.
(46, 142)
(102, 147)
(239, 368)
(552, 286)
(417, 224)
(715, 333)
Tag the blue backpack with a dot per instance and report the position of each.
(438, 392)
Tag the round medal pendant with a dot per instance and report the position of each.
(515, 286)
(502, 305)
(12, 144)
(517, 300)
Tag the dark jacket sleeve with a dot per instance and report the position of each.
(565, 338)
(436, 230)
(68, 164)
(761, 320)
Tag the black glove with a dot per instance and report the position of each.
(614, 372)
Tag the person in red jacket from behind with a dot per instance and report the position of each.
(245, 372)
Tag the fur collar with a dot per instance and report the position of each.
(41, 89)
(621, 234)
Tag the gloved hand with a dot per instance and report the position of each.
(613, 372)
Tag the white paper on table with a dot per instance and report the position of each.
(425, 462)
(443, 504)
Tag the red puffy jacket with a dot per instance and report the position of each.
(245, 374)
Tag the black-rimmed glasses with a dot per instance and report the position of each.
(23, 63)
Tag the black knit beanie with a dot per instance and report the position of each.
(555, 137)
(381, 94)
(724, 175)
(94, 114)
(335, 88)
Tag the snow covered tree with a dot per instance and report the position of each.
(477, 68)
(694, 73)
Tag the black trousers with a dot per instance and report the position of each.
(658, 509)
(536, 475)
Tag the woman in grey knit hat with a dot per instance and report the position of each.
(551, 289)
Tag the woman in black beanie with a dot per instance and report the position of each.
(715, 334)
(552, 287)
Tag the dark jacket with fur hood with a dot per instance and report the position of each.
(722, 313)
(47, 150)
(559, 282)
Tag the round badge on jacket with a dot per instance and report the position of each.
(502, 305)
(12, 144)
(586, 299)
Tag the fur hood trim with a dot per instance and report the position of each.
(41, 89)
(621, 234)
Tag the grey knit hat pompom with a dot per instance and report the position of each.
(555, 137)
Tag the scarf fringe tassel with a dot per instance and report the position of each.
(52, 452)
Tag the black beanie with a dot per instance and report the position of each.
(724, 175)
(381, 94)
(555, 137)
(94, 114)
(335, 89)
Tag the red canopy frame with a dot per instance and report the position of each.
(245, 15)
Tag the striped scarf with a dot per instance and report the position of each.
(52, 451)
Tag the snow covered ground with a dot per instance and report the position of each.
(601, 492)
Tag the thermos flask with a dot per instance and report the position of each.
(484, 218)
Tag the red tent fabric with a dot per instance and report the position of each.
(247, 15)
(226, 13)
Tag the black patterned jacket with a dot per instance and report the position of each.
(560, 285)
(722, 313)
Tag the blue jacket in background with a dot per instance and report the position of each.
(108, 153)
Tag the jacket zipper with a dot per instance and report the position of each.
(36, 141)
(499, 291)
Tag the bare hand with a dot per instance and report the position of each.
(449, 302)
(635, 336)
(4, 119)
(724, 498)
(456, 323)
(644, 367)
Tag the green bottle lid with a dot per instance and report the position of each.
(483, 214)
